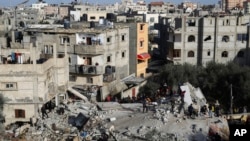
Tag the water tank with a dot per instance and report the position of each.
(101, 21)
(66, 24)
(111, 17)
(92, 24)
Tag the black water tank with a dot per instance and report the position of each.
(66, 24)
(111, 17)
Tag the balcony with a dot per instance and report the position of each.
(87, 49)
(109, 77)
(86, 69)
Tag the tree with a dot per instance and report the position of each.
(214, 80)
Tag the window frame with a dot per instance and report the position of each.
(19, 113)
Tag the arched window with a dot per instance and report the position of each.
(225, 38)
(224, 54)
(191, 38)
(190, 54)
(240, 54)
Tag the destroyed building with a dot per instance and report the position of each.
(83, 120)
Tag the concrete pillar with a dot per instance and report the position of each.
(215, 38)
(35, 79)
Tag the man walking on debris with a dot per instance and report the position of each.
(43, 110)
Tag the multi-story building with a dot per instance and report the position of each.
(198, 40)
(138, 47)
(188, 6)
(98, 54)
(230, 4)
(24, 16)
(161, 7)
(39, 5)
(59, 11)
(246, 6)
(28, 81)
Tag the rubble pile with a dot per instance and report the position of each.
(82, 120)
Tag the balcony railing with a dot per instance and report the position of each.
(86, 69)
(87, 49)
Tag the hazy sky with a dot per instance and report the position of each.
(4, 3)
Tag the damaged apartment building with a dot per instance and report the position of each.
(199, 40)
(98, 55)
(28, 80)
(44, 60)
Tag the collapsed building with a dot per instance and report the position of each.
(85, 120)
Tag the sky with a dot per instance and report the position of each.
(7, 3)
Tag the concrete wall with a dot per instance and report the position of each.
(129, 92)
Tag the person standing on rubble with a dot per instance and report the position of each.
(44, 113)
(61, 108)
(145, 106)
(190, 110)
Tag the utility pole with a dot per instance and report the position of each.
(231, 98)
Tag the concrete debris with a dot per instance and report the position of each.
(115, 121)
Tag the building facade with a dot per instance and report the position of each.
(29, 81)
(98, 53)
(198, 40)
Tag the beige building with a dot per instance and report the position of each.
(98, 53)
(56, 11)
(28, 81)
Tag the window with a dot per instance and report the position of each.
(242, 37)
(10, 85)
(69, 60)
(177, 53)
(109, 59)
(89, 80)
(65, 40)
(51, 49)
(191, 22)
(92, 17)
(191, 38)
(224, 54)
(123, 37)
(109, 39)
(46, 51)
(141, 43)
(19, 113)
(225, 38)
(123, 54)
(240, 54)
(228, 22)
(101, 17)
(190, 54)
(141, 26)
(208, 53)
